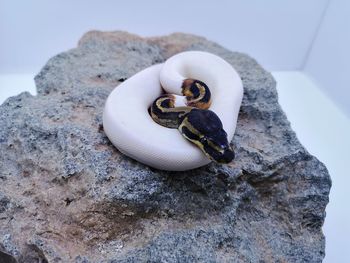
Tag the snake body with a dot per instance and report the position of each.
(213, 113)
(194, 121)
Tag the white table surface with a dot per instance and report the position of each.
(320, 126)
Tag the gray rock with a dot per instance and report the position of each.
(68, 195)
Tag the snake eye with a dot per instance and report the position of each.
(203, 139)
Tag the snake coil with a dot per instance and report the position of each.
(206, 118)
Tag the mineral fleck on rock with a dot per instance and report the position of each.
(68, 195)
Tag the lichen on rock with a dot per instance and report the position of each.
(68, 195)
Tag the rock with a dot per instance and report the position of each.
(67, 195)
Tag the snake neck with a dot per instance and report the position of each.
(169, 110)
(164, 112)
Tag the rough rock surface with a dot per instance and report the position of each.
(67, 195)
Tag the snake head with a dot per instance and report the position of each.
(204, 128)
(217, 148)
(197, 93)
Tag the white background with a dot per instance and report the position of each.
(272, 31)
(305, 44)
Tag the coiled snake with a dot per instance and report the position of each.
(205, 117)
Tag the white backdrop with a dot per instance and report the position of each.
(277, 33)
(329, 60)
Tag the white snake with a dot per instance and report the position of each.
(131, 129)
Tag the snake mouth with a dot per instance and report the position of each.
(222, 155)
(226, 157)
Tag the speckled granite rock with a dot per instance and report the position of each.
(67, 195)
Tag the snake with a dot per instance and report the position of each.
(177, 115)
(190, 115)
